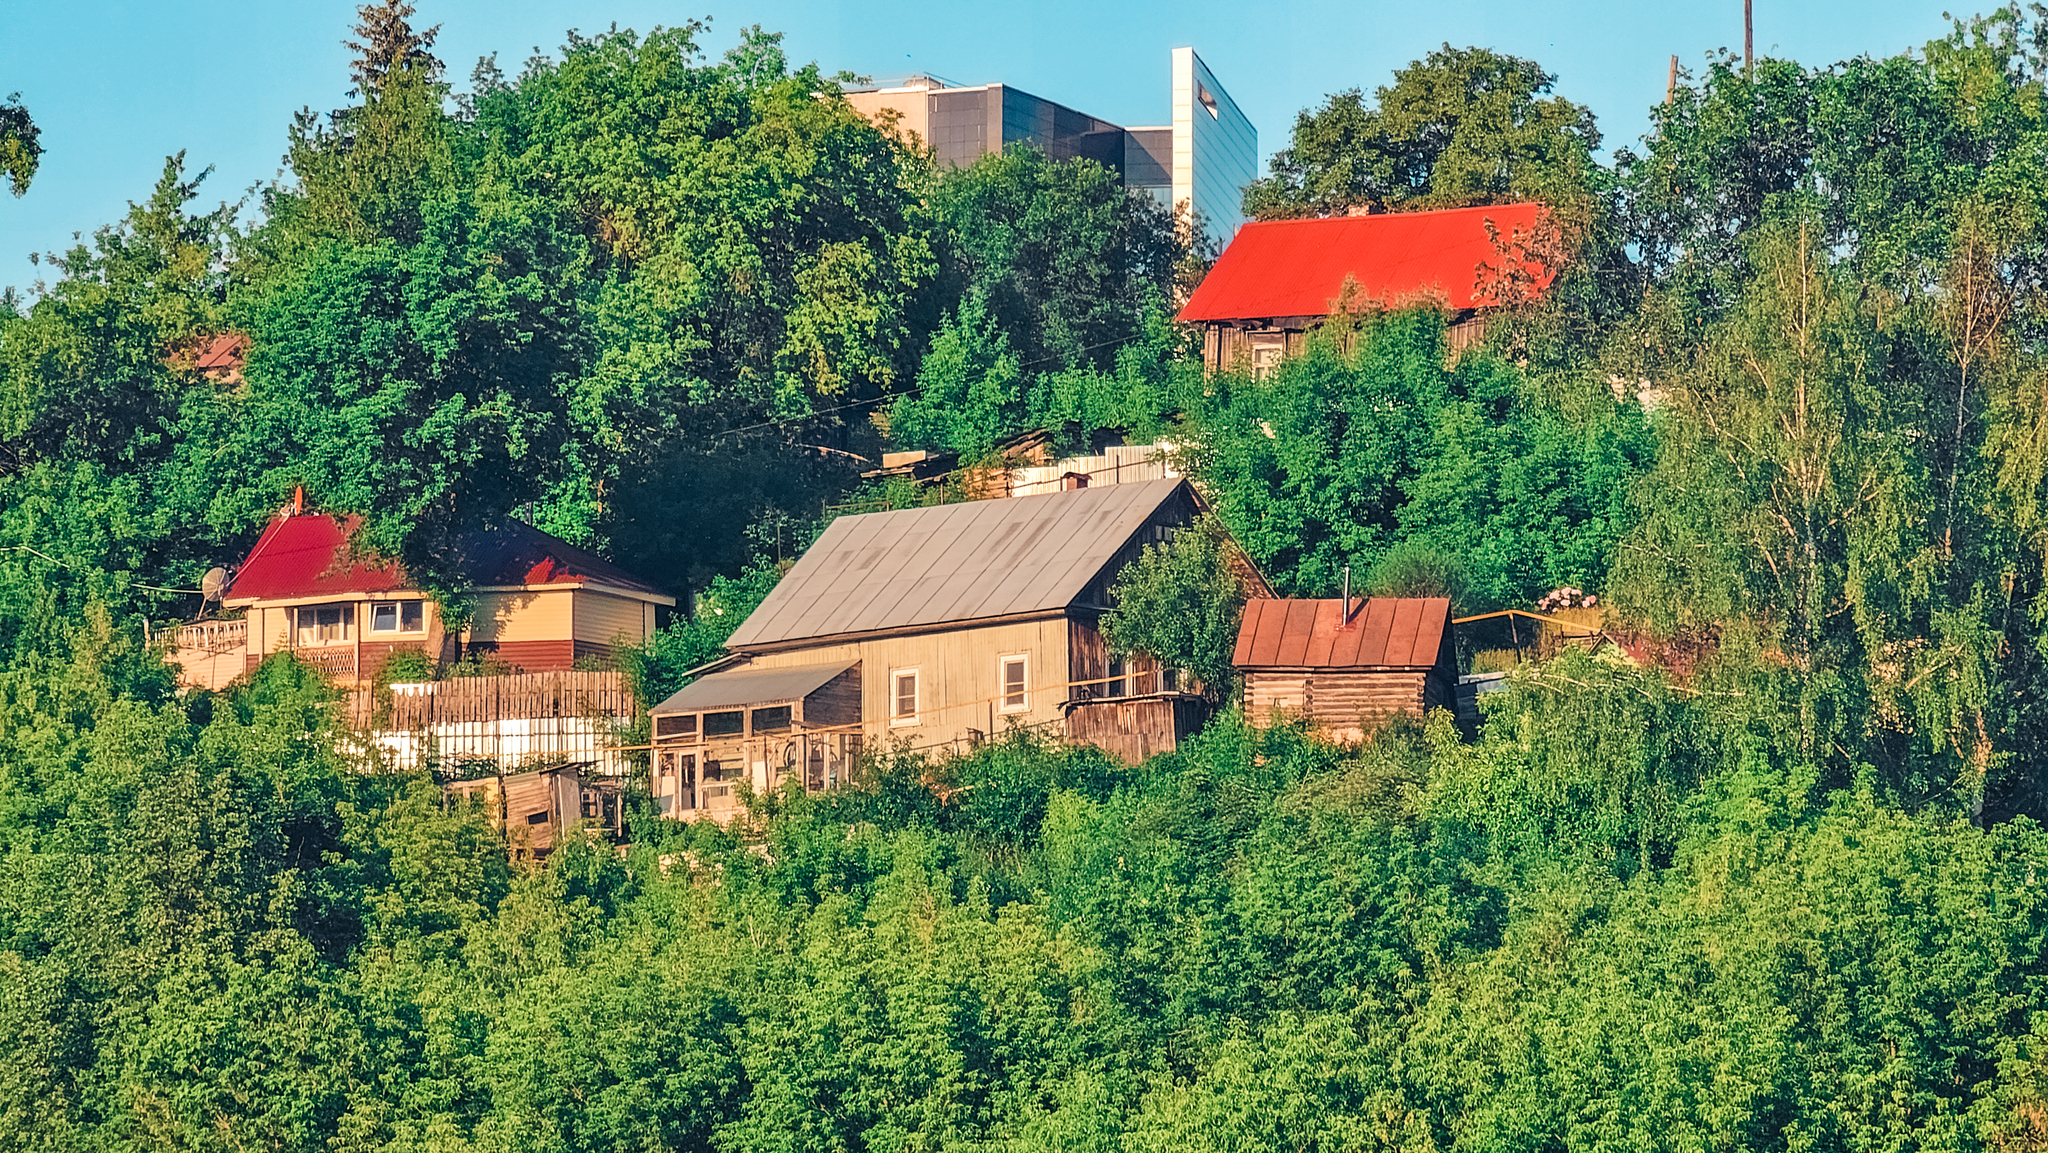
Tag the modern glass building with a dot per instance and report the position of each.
(1203, 158)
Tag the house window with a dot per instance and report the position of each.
(398, 617)
(1015, 699)
(1115, 687)
(1267, 349)
(903, 697)
(725, 724)
(683, 726)
(771, 720)
(325, 624)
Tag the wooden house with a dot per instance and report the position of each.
(540, 603)
(1279, 279)
(537, 809)
(932, 627)
(1347, 665)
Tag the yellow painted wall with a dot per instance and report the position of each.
(604, 619)
(959, 677)
(521, 616)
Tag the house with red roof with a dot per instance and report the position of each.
(1279, 279)
(1346, 664)
(540, 604)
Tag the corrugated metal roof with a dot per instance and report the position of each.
(1384, 632)
(1297, 267)
(953, 563)
(306, 555)
(744, 688)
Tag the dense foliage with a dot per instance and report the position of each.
(1782, 410)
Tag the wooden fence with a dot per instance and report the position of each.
(510, 720)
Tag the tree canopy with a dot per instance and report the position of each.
(1774, 885)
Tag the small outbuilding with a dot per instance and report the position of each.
(1347, 664)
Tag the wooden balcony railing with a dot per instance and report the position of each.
(214, 636)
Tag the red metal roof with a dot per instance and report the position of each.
(299, 556)
(224, 353)
(1297, 267)
(305, 556)
(1383, 632)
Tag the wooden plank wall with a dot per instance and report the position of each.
(836, 702)
(1345, 699)
(485, 700)
(1134, 729)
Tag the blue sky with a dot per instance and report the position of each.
(117, 86)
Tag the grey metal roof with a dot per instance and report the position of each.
(953, 563)
(743, 688)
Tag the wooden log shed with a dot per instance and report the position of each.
(1347, 665)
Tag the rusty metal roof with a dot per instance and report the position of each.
(949, 564)
(744, 688)
(1383, 632)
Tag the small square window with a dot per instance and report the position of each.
(903, 697)
(1015, 697)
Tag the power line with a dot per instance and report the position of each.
(69, 565)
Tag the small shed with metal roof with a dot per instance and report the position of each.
(1347, 664)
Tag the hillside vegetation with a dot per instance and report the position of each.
(1785, 410)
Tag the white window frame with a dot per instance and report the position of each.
(916, 696)
(346, 624)
(398, 617)
(1003, 664)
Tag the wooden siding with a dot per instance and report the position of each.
(1346, 701)
(539, 656)
(959, 677)
(603, 619)
(835, 703)
(1227, 346)
(536, 809)
(1134, 729)
(522, 616)
(483, 700)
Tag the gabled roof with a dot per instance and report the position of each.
(744, 688)
(1384, 632)
(950, 564)
(1297, 267)
(306, 555)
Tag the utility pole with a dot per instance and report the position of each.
(1748, 39)
(1671, 85)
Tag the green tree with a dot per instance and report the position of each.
(1463, 126)
(21, 147)
(1180, 603)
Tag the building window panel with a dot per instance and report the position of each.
(398, 617)
(1015, 696)
(324, 624)
(903, 697)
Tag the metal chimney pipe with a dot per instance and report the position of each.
(1345, 617)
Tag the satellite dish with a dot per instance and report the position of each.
(214, 583)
